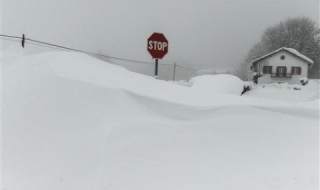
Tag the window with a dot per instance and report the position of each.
(282, 57)
(281, 71)
(267, 69)
(296, 70)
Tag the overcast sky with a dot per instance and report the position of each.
(201, 33)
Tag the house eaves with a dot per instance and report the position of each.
(289, 50)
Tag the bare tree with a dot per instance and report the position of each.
(256, 51)
(243, 70)
(301, 33)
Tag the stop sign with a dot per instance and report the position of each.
(157, 45)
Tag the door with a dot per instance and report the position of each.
(281, 71)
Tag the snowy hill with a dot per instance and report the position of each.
(73, 122)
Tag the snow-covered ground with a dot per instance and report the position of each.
(73, 122)
(286, 92)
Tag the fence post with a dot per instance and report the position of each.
(174, 71)
(23, 40)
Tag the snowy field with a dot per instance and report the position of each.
(71, 122)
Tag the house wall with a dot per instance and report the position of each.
(289, 62)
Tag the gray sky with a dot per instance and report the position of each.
(201, 34)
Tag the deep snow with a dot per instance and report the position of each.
(289, 93)
(221, 83)
(73, 122)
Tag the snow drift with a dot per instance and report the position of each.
(218, 84)
(74, 122)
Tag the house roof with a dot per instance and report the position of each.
(289, 50)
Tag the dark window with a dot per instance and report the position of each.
(267, 69)
(282, 57)
(281, 71)
(296, 70)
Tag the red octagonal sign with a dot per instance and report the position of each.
(158, 45)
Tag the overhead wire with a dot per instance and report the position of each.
(10, 39)
(10, 36)
(185, 67)
(58, 47)
(46, 46)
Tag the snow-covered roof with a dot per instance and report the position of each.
(289, 50)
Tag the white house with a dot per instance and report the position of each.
(282, 65)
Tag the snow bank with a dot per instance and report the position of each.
(14, 50)
(31, 70)
(286, 92)
(205, 90)
(218, 84)
(74, 122)
(182, 83)
(282, 86)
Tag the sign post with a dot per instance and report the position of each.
(156, 69)
(158, 47)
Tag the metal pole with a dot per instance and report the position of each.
(174, 71)
(23, 40)
(156, 69)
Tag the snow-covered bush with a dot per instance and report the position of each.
(304, 81)
(247, 86)
(182, 83)
(218, 84)
(256, 75)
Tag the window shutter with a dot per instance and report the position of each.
(299, 70)
(292, 69)
(270, 69)
(285, 71)
(264, 69)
